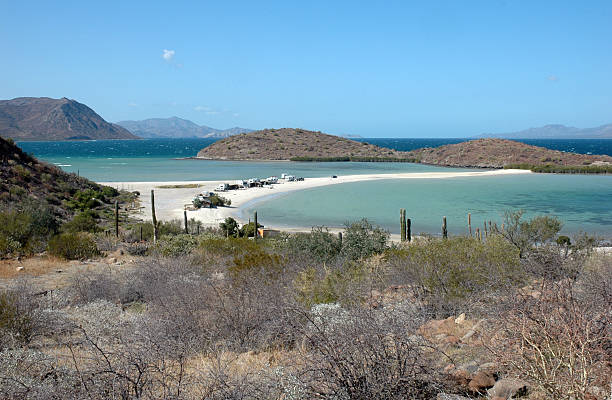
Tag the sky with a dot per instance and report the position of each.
(375, 69)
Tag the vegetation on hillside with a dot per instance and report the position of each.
(38, 200)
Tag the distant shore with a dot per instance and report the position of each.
(171, 201)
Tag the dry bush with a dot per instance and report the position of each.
(559, 339)
(366, 354)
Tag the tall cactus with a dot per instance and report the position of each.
(116, 218)
(470, 223)
(408, 230)
(153, 216)
(185, 218)
(402, 224)
(444, 231)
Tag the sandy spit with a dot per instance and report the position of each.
(170, 203)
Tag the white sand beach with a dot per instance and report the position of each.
(170, 202)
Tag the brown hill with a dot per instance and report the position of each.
(500, 153)
(43, 118)
(296, 144)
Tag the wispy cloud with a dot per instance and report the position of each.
(168, 54)
(202, 108)
(132, 104)
(553, 78)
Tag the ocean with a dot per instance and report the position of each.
(582, 202)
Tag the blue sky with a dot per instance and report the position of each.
(378, 69)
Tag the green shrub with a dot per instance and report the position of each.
(73, 246)
(232, 247)
(83, 222)
(177, 245)
(451, 270)
(219, 201)
(87, 199)
(319, 244)
(362, 240)
(25, 230)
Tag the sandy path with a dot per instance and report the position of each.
(170, 203)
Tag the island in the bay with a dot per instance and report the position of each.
(289, 144)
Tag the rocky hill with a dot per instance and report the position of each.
(43, 118)
(500, 153)
(295, 144)
(175, 127)
(25, 179)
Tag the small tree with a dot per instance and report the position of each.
(526, 235)
(229, 227)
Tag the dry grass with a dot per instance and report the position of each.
(34, 266)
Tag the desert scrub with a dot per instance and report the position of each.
(14, 323)
(320, 286)
(85, 221)
(447, 272)
(259, 262)
(73, 246)
(176, 246)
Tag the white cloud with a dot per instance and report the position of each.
(212, 112)
(553, 78)
(132, 104)
(168, 54)
(201, 108)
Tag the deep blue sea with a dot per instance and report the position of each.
(176, 148)
(582, 202)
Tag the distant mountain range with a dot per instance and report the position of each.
(43, 118)
(175, 128)
(556, 132)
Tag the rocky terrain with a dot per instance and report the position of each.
(43, 118)
(500, 153)
(295, 144)
(176, 128)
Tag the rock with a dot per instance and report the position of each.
(19, 268)
(460, 377)
(481, 381)
(453, 340)
(446, 396)
(112, 260)
(460, 319)
(509, 388)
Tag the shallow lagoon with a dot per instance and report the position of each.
(584, 203)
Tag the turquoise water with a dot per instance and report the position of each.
(167, 169)
(584, 203)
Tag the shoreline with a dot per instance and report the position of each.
(170, 202)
